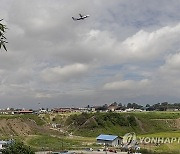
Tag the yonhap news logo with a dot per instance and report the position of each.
(131, 139)
(159, 140)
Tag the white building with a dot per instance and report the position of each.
(111, 140)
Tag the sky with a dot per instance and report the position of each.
(127, 51)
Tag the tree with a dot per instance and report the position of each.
(147, 105)
(18, 148)
(120, 104)
(2, 37)
(129, 105)
(114, 104)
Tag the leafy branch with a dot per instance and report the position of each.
(2, 37)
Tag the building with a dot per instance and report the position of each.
(6, 112)
(62, 110)
(23, 112)
(113, 107)
(41, 111)
(111, 140)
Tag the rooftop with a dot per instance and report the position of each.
(106, 137)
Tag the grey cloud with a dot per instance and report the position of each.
(46, 46)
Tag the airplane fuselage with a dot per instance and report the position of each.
(81, 17)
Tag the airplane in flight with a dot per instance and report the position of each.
(82, 17)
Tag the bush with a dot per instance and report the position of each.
(18, 148)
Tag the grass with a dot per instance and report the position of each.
(148, 122)
(173, 148)
(162, 134)
(82, 139)
(116, 130)
(163, 148)
(170, 147)
(47, 142)
(156, 115)
(34, 117)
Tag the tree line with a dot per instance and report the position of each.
(164, 106)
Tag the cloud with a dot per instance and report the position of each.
(127, 85)
(66, 73)
(125, 49)
(150, 45)
(172, 63)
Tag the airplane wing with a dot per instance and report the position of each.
(73, 18)
(80, 15)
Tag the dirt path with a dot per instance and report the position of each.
(140, 124)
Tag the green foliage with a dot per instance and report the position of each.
(2, 37)
(110, 118)
(100, 120)
(93, 124)
(132, 121)
(18, 148)
(157, 115)
(78, 119)
(39, 121)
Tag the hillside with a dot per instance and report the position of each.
(89, 124)
(77, 131)
(120, 123)
(23, 125)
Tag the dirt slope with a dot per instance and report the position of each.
(20, 127)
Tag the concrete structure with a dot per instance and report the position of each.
(111, 140)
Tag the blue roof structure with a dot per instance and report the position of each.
(106, 137)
